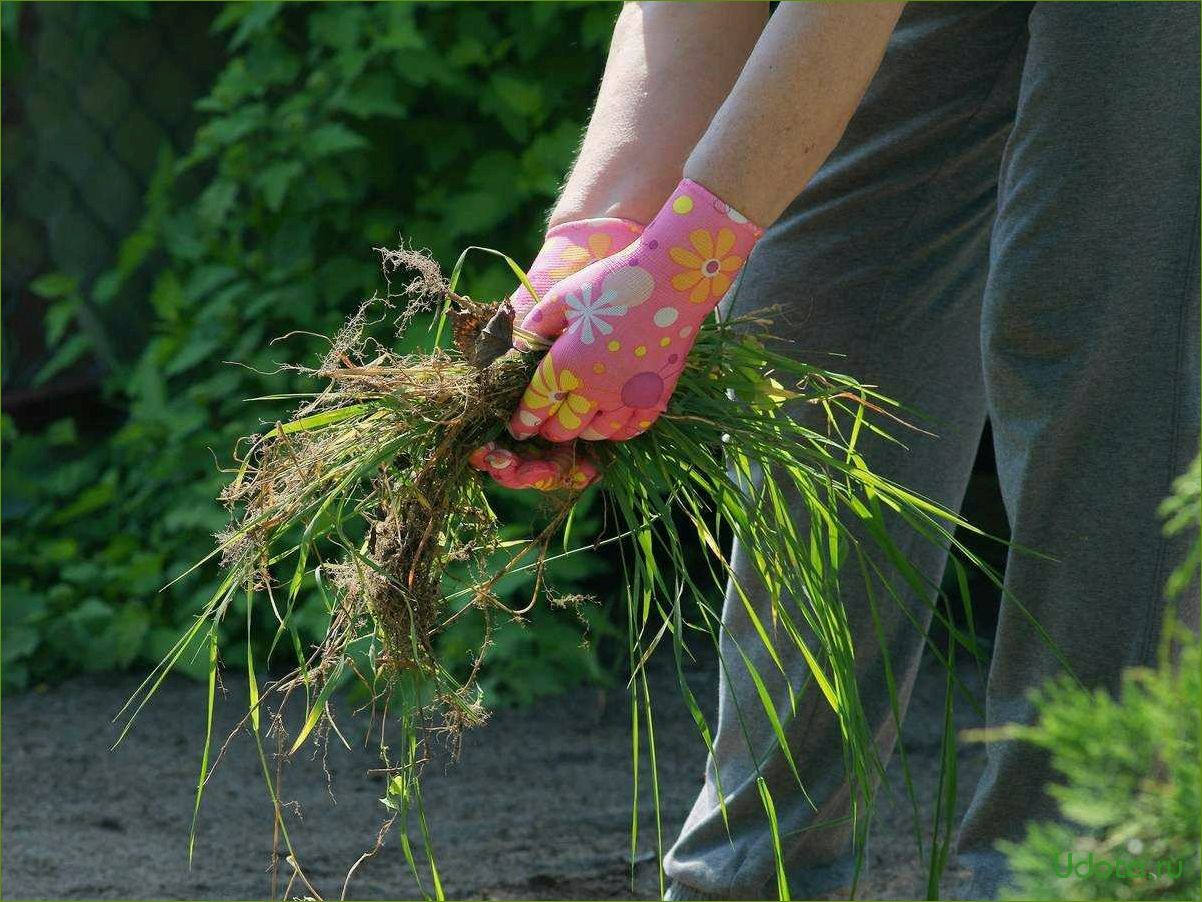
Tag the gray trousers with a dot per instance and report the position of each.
(1009, 229)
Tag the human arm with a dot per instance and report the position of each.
(670, 67)
(785, 114)
(789, 108)
(621, 328)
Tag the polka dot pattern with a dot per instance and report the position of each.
(665, 316)
(567, 249)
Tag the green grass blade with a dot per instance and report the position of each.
(782, 880)
(208, 743)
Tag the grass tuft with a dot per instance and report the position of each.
(365, 497)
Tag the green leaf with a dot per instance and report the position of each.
(130, 256)
(274, 181)
(372, 95)
(217, 201)
(69, 353)
(122, 638)
(320, 420)
(89, 501)
(62, 432)
(332, 138)
(54, 285)
(106, 286)
(208, 743)
(316, 710)
(198, 349)
(167, 296)
(230, 129)
(58, 317)
(207, 279)
(522, 96)
(339, 27)
(252, 19)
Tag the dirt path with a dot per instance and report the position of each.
(537, 808)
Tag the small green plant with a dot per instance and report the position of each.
(1130, 792)
(1181, 512)
(1130, 789)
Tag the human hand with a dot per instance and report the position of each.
(561, 466)
(568, 248)
(622, 327)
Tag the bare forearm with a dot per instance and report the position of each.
(791, 104)
(670, 67)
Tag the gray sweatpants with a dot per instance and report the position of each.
(1009, 229)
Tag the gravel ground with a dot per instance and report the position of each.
(538, 806)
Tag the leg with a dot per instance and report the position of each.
(882, 259)
(1090, 343)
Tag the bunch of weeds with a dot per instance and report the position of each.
(365, 495)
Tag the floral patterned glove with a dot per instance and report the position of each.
(623, 326)
(568, 248)
(559, 467)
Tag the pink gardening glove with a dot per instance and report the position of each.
(622, 327)
(558, 467)
(568, 248)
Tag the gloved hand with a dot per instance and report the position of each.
(559, 467)
(568, 248)
(623, 326)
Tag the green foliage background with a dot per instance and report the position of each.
(329, 130)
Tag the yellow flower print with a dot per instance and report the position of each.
(557, 389)
(574, 258)
(706, 272)
(577, 477)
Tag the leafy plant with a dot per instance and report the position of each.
(364, 498)
(1181, 512)
(1131, 794)
(331, 128)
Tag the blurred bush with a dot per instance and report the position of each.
(330, 129)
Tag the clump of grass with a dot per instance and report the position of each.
(365, 495)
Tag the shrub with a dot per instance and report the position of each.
(1130, 794)
(331, 129)
(1131, 787)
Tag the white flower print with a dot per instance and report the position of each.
(588, 314)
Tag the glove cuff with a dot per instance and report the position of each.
(693, 201)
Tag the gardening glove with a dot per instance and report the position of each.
(557, 467)
(568, 248)
(622, 327)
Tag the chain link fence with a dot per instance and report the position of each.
(92, 93)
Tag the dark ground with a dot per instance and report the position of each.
(538, 806)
